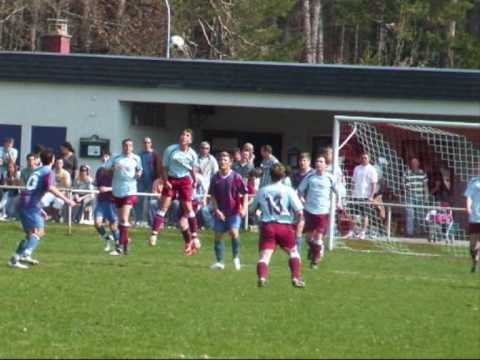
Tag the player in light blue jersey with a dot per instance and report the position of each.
(316, 190)
(39, 182)
(127, 168)
(472, 194)
(280, 209)
(180, 163)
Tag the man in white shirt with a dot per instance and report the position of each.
(207, 163)
(364, 185)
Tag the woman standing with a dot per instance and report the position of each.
(70, 161)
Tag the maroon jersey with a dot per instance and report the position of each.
(297, 177)
(227, 191)
(104, 178)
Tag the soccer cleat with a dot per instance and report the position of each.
(262, 282)
(13, 262)
(217, 266)
(475, 266)
(298, 283)
(109, 244)
(29, 260)
(196, 242)
(188, 249)
(314, 265)
(115, 252)
(236, 263)
(362, 235)
(153, 240)
(309, 254)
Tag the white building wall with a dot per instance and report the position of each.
(104, 111)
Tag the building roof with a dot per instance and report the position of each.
(259, 77)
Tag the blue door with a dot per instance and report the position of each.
(49, 136)
(15, 132)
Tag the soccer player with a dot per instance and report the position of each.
(304, 169)
(127, 168)
(364, 181)
(227, 191)
(105, 209)
(276, 202)
(316, 189)
(472, 194)
(180, 163)
(30, 212)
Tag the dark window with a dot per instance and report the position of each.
(148, 114)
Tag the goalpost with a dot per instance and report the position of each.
(448, 153)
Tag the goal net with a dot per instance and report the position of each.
(422, 167)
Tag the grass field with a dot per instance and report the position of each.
(154, 303)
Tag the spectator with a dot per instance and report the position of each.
(51, 201)
(7, 153)
(244, 166)
(249, 147)
(253, 181)
(83, 182)
(364, 187)
(268, 160)
(10, 177)
(150, 161)
(207, 163)
(70, 161)
(442, 184)
(37, 150)
(416, 193)
(32, 161)
(237, 154)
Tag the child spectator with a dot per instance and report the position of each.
(10, 177)
(83, 182)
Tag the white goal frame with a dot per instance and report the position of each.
(338, 119)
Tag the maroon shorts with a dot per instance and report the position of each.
(317, 223)
(273, 234)
(474, 228)
(182, 186)
(126, 200)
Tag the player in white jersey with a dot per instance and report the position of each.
(472, 194)
(316, 189)
(127, 168)
(280, 209)
(180, 163)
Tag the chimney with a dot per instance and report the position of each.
(57, 38)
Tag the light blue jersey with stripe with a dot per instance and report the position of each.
(278, 203)
(179, 163)
(316, 189)
(125, 167)
(473, 192)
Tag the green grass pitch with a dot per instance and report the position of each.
(157, 303)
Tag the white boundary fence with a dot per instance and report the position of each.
(338, 119)
(70, 191)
